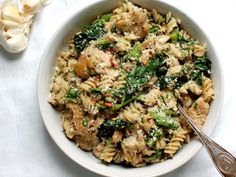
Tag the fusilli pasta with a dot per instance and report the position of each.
(118, 81)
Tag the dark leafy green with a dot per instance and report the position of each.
(153, 29)
(96, 90)
(177, 81)
(155, 155)
(92, 32)
(72, 94)
(202, 66)
(162, 83)
(182, 40)
(142, 74)
(137, 79)
(196, 75)
(108, 127)
(106, 17)
(153, 136)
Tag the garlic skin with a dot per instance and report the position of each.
(16, 22)
(34, 6)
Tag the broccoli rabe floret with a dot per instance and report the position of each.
(164, 120)
(153, 29)
(134, 53)
(158, 153)
(174, 36)
(171, 112)
(153, 136)
(104, 44)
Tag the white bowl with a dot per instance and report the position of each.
(51, 117)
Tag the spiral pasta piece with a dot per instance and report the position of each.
(108, 152)
(117, 136)
(207, 87)
(68, 124)
(97, 151)
(192, 86)
(118, 157)
(161, 144)
(87, 85)
(132, 113)
(151, 98)
(176, 142)
(120, 82)
(88, 104)
(107, 80)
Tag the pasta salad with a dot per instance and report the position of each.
(117, 83)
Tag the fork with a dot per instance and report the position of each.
(222, 159)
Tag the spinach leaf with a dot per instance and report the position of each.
(92, 32)
(142, 74)
(196, 75)
(182, 40)
(202, 66)
(137, 79)
(163, 81)
(108, 127)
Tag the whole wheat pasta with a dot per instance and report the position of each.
(117, 86)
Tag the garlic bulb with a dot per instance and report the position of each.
(15, 24)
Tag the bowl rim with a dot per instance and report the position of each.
(85, 8)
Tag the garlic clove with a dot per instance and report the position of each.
(10, 12)
(14, 32)
(7, 24)
(16, 43)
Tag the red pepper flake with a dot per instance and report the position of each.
(96, 77)
(108, 104)
(111, 50)
(113, 62)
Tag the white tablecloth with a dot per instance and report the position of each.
(27, 150)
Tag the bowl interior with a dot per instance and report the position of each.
(51, 117)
